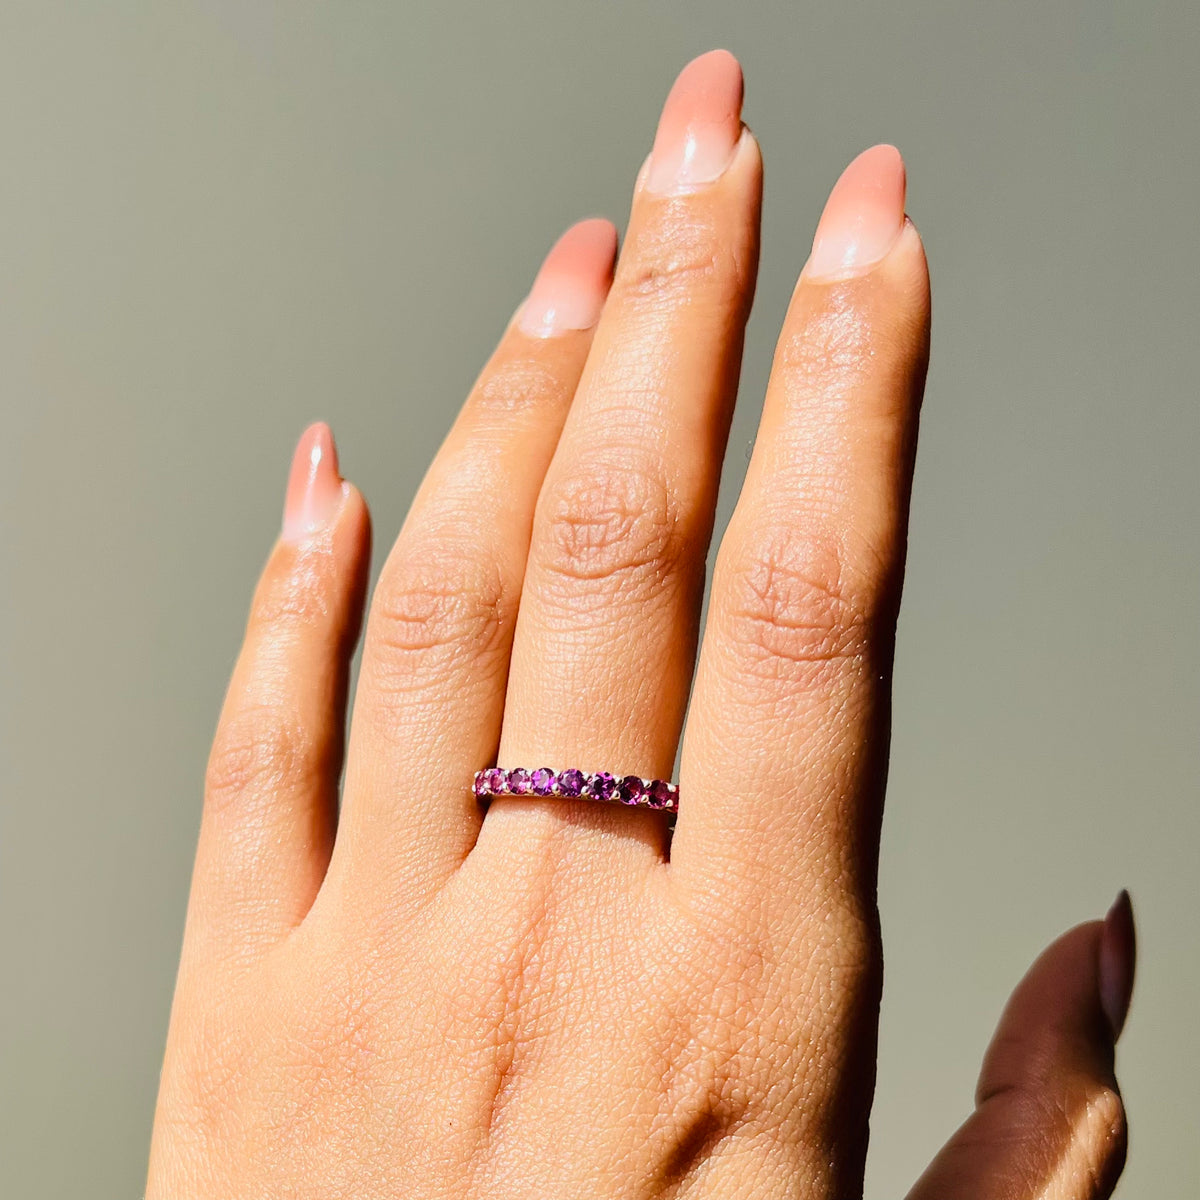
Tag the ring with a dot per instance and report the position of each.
(572, 783)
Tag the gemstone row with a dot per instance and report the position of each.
(572, 783)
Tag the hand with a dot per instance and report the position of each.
(562, 998)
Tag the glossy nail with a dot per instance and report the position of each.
(315, 490)
(863, 216)
(700, 125)
(574, 279)
(1118, 958)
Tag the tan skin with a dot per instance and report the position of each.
(417, 998)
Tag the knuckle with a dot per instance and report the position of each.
(614, 528)
(850, 946)
(673, 261)
(829, 347)
(514, 384)
(432, 605)
(856, 328)
(833, 992)
(793, 604)
(259, 750)
(294, 594)
(841, 973)
(199, 1101)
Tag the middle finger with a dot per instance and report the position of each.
(605, 639)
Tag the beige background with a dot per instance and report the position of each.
(218, 221)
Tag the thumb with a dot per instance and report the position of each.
(1048, 1119)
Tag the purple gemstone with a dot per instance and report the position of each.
(518, 781)
(571, 782)
(494, 780)
(659, 794)
(479, 786)
(542, 781)
(602, 786)
(631, 790)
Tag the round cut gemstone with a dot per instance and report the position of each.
(479, 786)
(494, 781)
(571, 782)
(518, 781)
(659, 794)
(631, 789)
(542, 781)
(602, 785)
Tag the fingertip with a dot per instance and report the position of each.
(699, 126)
(748, 152)
(325, 541)
(597, 234)
(1049, 1119)
(314, 489)
(710, 88)
(898, 279)
(717, 61)
(884, 159)
(1055, 1011)
(862, 217)
(906, 269)
(573, 281)
(354, 503)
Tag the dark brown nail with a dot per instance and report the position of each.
(1118, 956)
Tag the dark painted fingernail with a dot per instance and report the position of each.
(1118, 957)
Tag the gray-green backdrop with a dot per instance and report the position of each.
(221, 220)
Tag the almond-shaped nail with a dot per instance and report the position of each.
(1118, 958)
(315, 491)
(700, 125)
(863, 216)
(574, 279)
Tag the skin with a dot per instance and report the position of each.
(405, 995)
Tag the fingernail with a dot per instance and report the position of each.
(574, 279)
(315, 490)
(1118, 957)
(863, 215)
(700, 125)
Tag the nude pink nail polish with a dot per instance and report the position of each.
(700, 125)
(863, 216)
(315, 490)
(1118, 956)
(574, 279)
